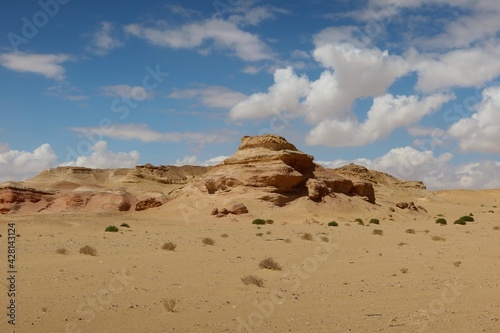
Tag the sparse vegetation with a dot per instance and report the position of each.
(260, 234)
(374, 221)
(402, 244)
(378, 232)
(268, 232)
(169, 304)
(288, 240)
(259, 221)
(438, 238)
(404, 270)
(496, 228)
(111, 228)
(253, 279)
(62, 250)
(270, 263)
(457, 263)
(440, 215)
(269, 221)
(88, 250)
(169, 246)
(359, 221)
(124, 225)
(333, 224)
(410, 231)
(224, 235)
(325, 239)
(461, 222)
(441, 221)
(307, 236)
(208, 241)
(467, 218)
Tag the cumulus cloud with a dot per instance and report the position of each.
(143, 133)
(193, 160)
(138, 93)
(481, 131)
(102, 158)
(437, 172)
(19, 165)
(386, 114)
(211, 96)
(104, 40)
(48, 65)
(223, 34)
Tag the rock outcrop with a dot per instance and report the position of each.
(147, 204)
(283, 172)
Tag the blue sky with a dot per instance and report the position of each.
(407, 87)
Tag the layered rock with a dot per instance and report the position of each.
(281, 170)
(13, 198)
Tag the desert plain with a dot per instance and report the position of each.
(405, 274)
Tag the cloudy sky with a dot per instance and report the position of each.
(410, 87)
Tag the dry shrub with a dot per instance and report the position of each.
(62, 250)
(169, 304)
(224, 235)
(457, 263)
(253, 279)
(404, 270)
(208, 241)
(438, 238)
(378, 232)
(169, 246)
(325, 239)
(410, 231)
(270, 263)
(88, 250)
(307, 236)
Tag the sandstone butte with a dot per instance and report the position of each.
(266, 168)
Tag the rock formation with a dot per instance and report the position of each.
(282, 171)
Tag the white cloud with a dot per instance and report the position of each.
(103, 40)
(435, 171)
(19, 165)
(283, 96)
(193, 160)
(244, 15)
(223, 34)
(137, 93)
(65, 91)
(459, 68)
(48, 65)
(182, 11)
(211, 96)
(481, 132)
(3, 147)
(102, 158)
(386, 114)
(143, 133)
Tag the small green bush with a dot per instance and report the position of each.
(378, 232)
(467, 218)
(208, 241)
(111, 228)
(360, 221)
(269, 221)
(270, 263)
(441, 221)
(461, 222)
(333, 224)
(169, 246)
(259, 221)
(374, 221)
(124, 225)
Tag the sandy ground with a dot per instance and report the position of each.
(354, 282)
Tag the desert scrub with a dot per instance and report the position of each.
(88, 250)
(359, 221)
(325, 239)
(467, 218)
(269, 221)
(374, 221)
(496, 228)
(378, 232)
(438, 238)
(457, 263)
(441, 221)
(307, 236)
(410, 231)
(169, 304)
(208, 241)
(333, 224)
(62, 250)
(260, 234)
(169, 246)
(252, 279)
(460, 222)
(270, 263)
(404, 270)
(259, 221)
(111, 228)
(224, 235)
(124, 225)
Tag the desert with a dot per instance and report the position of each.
(178, 265)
